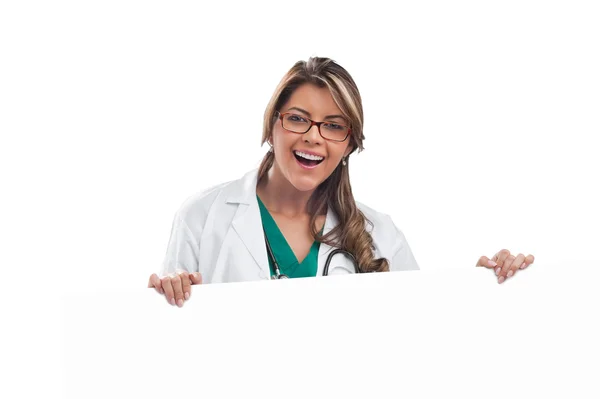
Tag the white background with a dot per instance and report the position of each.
(481, 121)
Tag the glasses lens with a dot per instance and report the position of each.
(295, 123)
(334, 131)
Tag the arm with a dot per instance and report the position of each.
(182, 249)
(403, 258)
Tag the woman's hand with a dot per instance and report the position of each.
(176, 288)
(505, 264)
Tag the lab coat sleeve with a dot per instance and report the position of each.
(403, 258)
(182, 249)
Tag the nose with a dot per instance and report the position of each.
(313, 135)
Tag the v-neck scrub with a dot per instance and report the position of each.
(288, 263)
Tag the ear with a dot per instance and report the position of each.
(349, 149)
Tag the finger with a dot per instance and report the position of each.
(196, 278)
(515, 265)
(178, 289)
(500, 257)
(186, 285)
(507, 262)
(168, 289)
(155, 283)
(485, 262)
(528, 261)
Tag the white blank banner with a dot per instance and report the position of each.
(455, 333)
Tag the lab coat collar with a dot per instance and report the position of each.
(248, 224)
(247, 221)
(243, 191)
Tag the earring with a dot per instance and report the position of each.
(344, 161)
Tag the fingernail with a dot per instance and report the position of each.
(173, 301)
(492, 263)
(187, 296)
(500, 279)
(497, 271)
(180, 302)
(510, 273)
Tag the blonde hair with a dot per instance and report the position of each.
(335, 192)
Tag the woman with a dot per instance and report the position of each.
(285, 218)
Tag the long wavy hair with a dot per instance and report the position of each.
(335, 192)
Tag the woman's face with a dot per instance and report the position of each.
(309, 102)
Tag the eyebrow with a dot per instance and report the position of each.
(326, 117)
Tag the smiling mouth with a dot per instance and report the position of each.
(308, 160)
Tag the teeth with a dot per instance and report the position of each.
(308, 156)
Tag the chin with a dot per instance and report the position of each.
(303, 183)
(304, 180)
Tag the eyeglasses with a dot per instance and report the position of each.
(299, 124)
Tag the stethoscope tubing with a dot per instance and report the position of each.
(340, 251)
(336, 251)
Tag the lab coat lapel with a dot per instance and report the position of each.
(247, 221)
(330, 222)
(340, 264)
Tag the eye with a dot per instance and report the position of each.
(333, 126)
(295, 118)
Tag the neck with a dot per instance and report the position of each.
(280, 196)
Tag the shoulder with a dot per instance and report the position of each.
(195, 209)
(199, 203)
(389, 240)
(376, 220)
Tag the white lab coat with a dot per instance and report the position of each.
(218, 232)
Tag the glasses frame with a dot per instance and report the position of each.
(313, 123)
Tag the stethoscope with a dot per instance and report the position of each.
(278, 275)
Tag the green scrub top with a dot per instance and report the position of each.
(288, 263)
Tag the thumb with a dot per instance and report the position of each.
(196, 278)
(484, 261)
